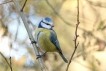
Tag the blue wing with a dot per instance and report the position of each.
(54, 40)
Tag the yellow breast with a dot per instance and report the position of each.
(43, 40)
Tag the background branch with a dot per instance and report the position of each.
(58, 14)
(97, 4)
(7, 61)
(76, 36)
(10, 64)
(62, 17)
(23, 6)
(6, 2)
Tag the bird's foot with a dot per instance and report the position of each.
(39, 56)
(33, 42)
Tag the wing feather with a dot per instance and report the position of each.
(54, 40)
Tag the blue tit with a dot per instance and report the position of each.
(46, 37)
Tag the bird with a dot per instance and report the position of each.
(46, 38)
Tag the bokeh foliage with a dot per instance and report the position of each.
(90, 55)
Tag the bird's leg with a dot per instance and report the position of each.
(39, 56)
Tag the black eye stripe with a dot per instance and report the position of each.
(46, 23)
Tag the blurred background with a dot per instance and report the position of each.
(15, 43)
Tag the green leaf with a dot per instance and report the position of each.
(100, 25)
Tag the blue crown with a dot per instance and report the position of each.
(48, 19)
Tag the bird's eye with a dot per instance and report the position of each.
(47, 24)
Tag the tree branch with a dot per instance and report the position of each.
(6, 2)
(99, 4)
(62, 17)
(10, 64)
(23, 6)
(76, 36)
(7, 61)
(58, 14)
(29, 34)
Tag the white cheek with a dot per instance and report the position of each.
(45, 26)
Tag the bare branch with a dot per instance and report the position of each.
(10, 64)
(17, 31)
(23, 6)
(76, 36)
(25, 22)
(99, 4)
(7, 61)
(6, 2)
(58, 14)
(62, 17)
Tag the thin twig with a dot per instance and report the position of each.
(58, 14)
(67, 23)
(6, 2)
(99, 4)
(23, 6)
(10, 64)
(76, 36)
(6, 61)
(17, 31)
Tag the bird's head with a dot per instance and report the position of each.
(46, 23)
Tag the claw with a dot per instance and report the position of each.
(39, 56)
(33, 42)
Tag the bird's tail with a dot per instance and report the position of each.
(63, 57)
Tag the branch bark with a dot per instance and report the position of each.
(29, 34)
(5, 2)
(7, 61)
(76, 36)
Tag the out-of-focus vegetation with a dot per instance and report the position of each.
(91, 52)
